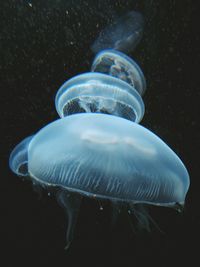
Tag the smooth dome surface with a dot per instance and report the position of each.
(110, 157)
(97, 92)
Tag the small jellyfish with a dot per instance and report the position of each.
(121, 66)
(123, 34)
(101, 93)
(106, 157)
(114, 86)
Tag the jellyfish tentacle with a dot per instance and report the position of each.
(115, 212)
(131, 223)
(38, 189)
(143, 217)
(140, 214)
(71, 203)
(154, 223)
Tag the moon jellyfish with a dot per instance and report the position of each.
(109, 157)
(98, 150)
(114, 86)
(96, 92)
(19, 157)
(104, 157)
(123, 34)
(119, 65)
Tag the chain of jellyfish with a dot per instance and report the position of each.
(97, 148)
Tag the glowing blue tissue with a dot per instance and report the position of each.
(97, 92)
(119, 65)
(106, 156)
(18, 160)
(97, 148)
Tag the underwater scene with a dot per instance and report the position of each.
(100, 133)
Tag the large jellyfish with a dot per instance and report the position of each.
(97, 148)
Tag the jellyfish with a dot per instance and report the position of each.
(123, 34)
(114, 86)
(104, 157)
(119, 65)
(19, 164)
(97, 148)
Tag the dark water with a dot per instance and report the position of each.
(43, 43)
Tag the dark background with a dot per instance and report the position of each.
(42, 44)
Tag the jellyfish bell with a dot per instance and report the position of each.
(18, 161)
(110, 157)
(106, 157)
(121, 66)
(123, 34)
(98, 92)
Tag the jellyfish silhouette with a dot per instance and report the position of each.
(123, 34)
(97, 149)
